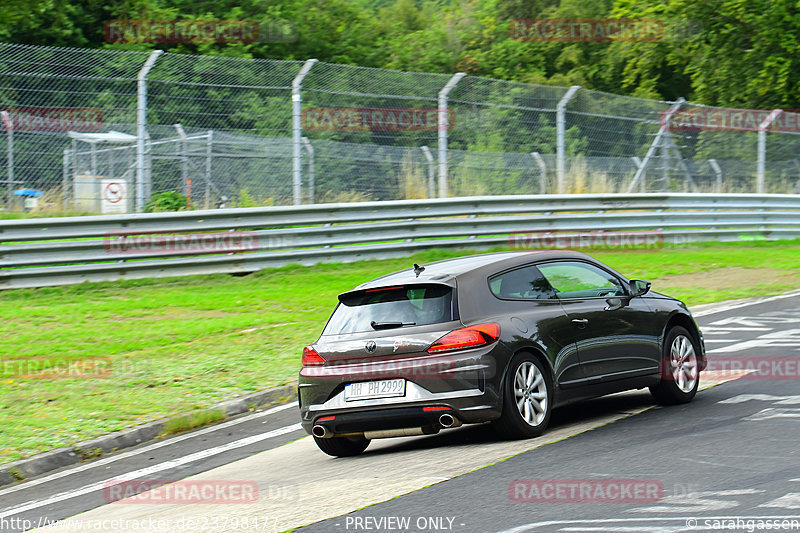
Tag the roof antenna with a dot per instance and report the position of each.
(418, 269)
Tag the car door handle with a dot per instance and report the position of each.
(580, 322)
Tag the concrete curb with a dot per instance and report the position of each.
(126, 438)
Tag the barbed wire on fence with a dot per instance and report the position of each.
(247, 132)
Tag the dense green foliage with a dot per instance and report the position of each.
(722, 52)
(166, 201)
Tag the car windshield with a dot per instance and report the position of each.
(391, 307)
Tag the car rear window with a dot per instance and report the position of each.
(390, 308)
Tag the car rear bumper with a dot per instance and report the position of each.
(419, 407)
(466, 383)
(398, 417)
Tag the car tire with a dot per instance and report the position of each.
(527, 399)
(680, 374)
(343, 446)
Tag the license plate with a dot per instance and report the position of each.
(385, 388)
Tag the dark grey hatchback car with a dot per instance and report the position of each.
(501, 338)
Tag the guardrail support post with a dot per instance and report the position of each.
(297, 132)
(443, 127)
(542, 172)
(762, 148)
(431, 171)
(141, 127)
(561, 134)
(310, 151)
(652, 150)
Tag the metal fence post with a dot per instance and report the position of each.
(185, 179)
(717, 172)
(542, 172)
(652, 150)
(638, 163)
(10, 160)
(762, 148)
(443, 127)
(310, 149)
(561, 133)
(209, 159)
(665, 168)
(431, 171)
(297, 132)
(796, 187)
(141, 127)
(66, 164)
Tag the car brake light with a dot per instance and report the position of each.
(311, 357)
(465, 338)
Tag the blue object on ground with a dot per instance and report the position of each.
(30, 193)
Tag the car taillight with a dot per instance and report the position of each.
(465, 338)
(311, 357)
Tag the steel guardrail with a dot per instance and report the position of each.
(57, 251)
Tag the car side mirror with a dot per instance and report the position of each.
(639, 287)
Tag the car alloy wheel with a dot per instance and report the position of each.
(527, 401)
(530, 392)
(680, 376)
(683, 363)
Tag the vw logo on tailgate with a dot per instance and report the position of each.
(371, 347)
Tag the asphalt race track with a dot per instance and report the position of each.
(728, 461)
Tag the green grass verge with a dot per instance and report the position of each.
(182, 344)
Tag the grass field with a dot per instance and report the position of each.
(181, 344)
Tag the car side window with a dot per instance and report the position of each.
(573, 279)
(525, 283)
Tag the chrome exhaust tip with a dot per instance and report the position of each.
(321, 432)
(449, 421)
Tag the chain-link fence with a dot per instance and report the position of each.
(102, 131)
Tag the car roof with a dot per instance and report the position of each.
(448, 271)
